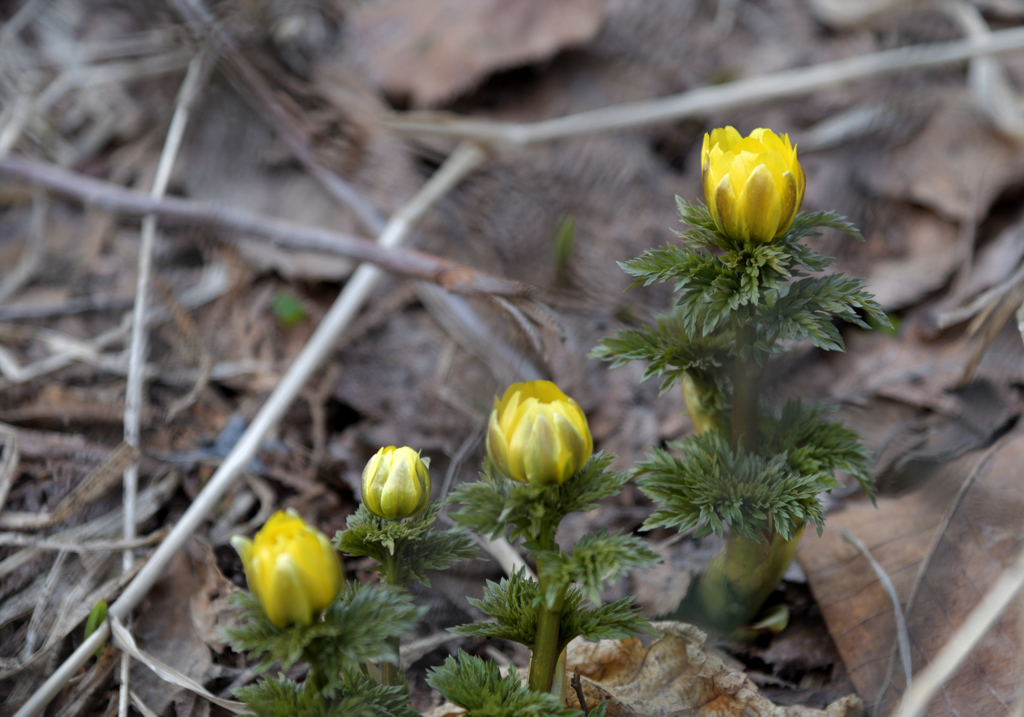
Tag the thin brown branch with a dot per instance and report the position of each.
(454, 277)
(577, 685)
(254, 87)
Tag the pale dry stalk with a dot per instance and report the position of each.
(930, 680)
(320, 345)
(198, 69)
(714, 98)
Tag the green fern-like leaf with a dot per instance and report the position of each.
(359, 697)
(482, 502)
(806, 224)
(613, 621)
(813, 445)
(494, 504)
(354, 629)
(513, 605)
(413, 544)
(595, 560)
(478, 687)
(709, 487)
(670, 352)
(806, 309)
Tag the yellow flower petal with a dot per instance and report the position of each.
(396, 483)
(725, 202)
(286, 601)
(291, 568)
(753, 185)
(790, 200)
(760, 205)
(541, 437)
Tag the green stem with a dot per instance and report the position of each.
(546, 651)
(738, 580)
(746, 383)
(390, 674)
(545, 646)
(316, 680)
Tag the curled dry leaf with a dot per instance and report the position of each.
(929, 251)
(165, 629)
(943, 546)
(920, 171)
(432, 50)
(676, 675)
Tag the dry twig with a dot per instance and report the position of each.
(902, 633)
(453, 276)
(320, 345)
(715, 98)
(931, 679)
(926, 561)
(198, 68)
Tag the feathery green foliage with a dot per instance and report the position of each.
(806, 224)
(513, 605)
(354, 629)
(765, 275)
(412, 543)
(709, 487)
(595, 560)
(806, 308)
(670, 352)
(493, 504)
(478, 687)
(359, 697)
(813, 445)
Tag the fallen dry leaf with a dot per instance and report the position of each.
(675, 675)
(163, 628)
(209, 607)
(964, 526)
(928, 254)
(955, 166)
(431, 50)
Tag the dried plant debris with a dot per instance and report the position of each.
(429, 51)
(943, 545)
(676, 674)
(921, 162)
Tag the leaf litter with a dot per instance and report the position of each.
(935, 191)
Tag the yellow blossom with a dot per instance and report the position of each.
(396, 483)
(291, 568)
(753, 185)
(538, 435)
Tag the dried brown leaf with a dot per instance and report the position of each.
(675, 675)
(956, 166)
(164, 629)
(961, 559)
(211, 614)
(929, 252)
(432, 50)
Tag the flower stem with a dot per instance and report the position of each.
(738, 580)
(746, 383)
(390, 673)
(545, 646)
(316, 680)
(546, 651)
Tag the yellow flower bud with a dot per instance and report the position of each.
(753, 185)
(538, 435)
(291, 568)
(396, 483)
